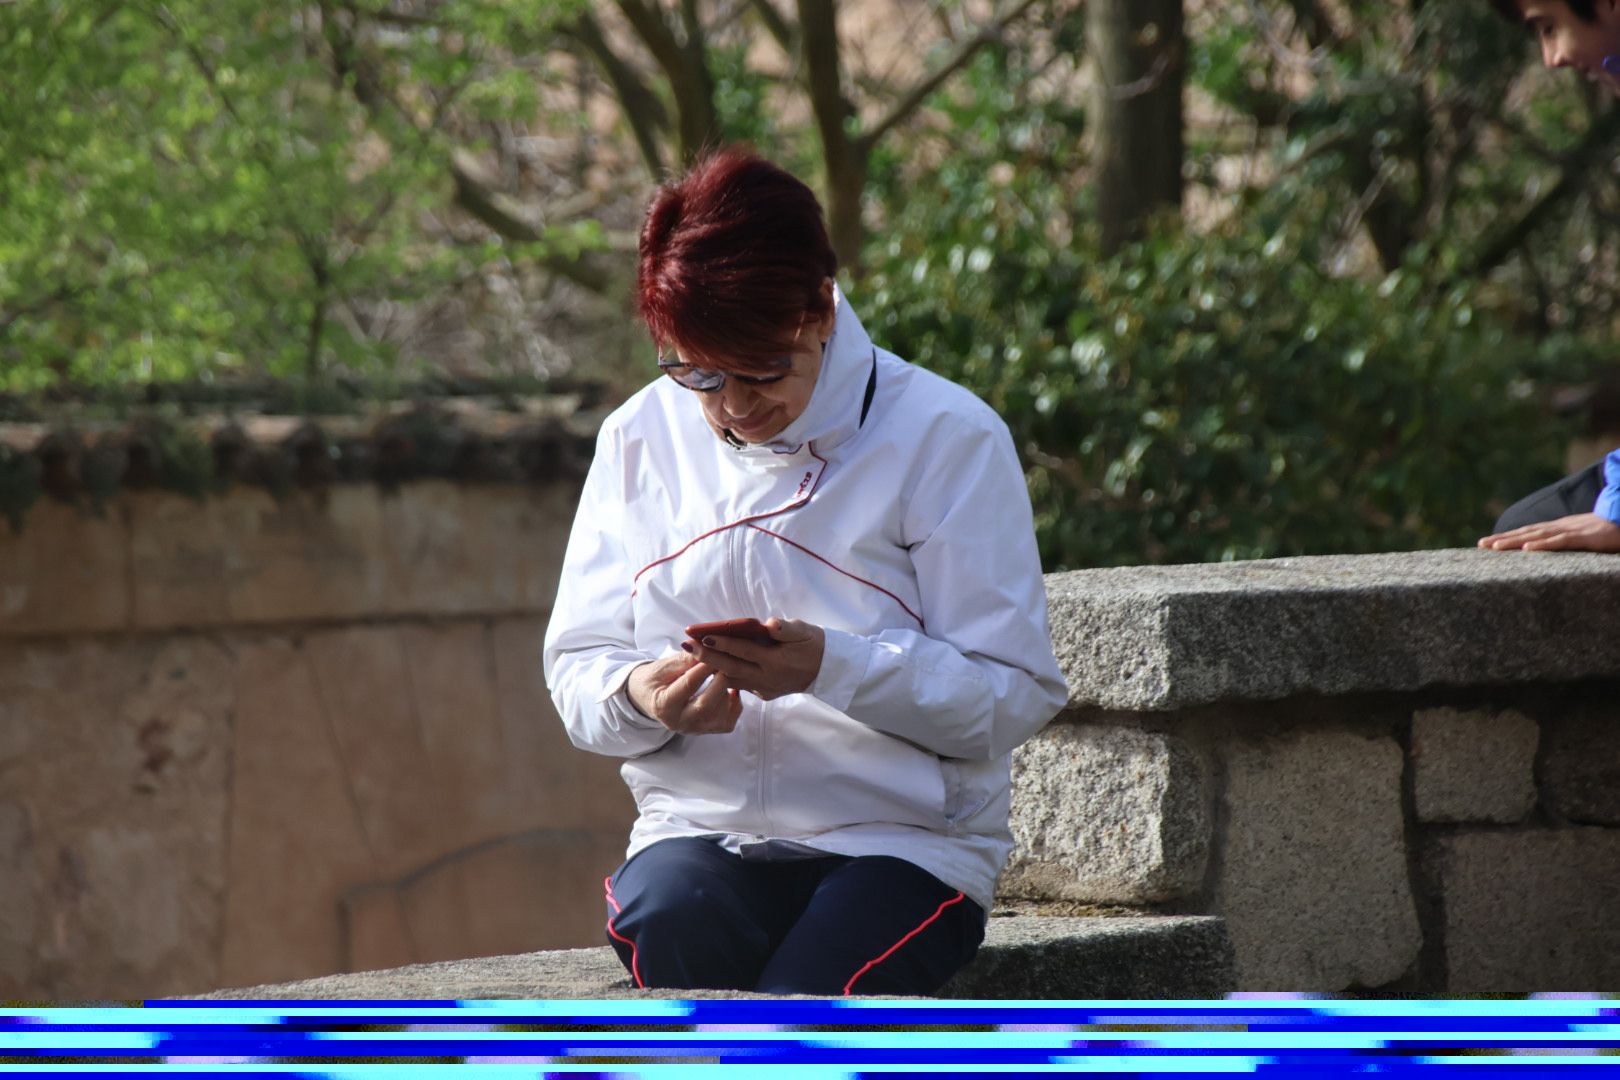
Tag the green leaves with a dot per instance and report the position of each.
(1213, 396)
(197, 187)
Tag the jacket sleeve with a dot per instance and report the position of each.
(981, 678)
(590, 639)
(1608, 500)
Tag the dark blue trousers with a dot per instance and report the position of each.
(685, 913)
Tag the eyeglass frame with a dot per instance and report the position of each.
(713, 379)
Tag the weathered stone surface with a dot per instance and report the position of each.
(1184, 957)
(66, 571)
(1474, 764)
(1149, 957)
(1108, 814)
(296, 841)
(248, 558)
(368, 690)
(1154, 638)
(1532, 910)
(350, 551)
(1581, 763)
(460, 549)
(547, 778)
(1313, 880)
(19, 889)
(540, 890)
(118, 770)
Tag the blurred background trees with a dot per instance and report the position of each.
(1268, 277)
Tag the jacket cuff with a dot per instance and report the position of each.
(1608, 500)
(844, 659)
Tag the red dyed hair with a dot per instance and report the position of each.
(733, 255)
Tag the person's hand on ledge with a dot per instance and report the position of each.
(1578, 532)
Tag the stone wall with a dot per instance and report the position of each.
(249, 739)
(1395, 772)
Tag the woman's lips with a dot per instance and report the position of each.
(753, 424)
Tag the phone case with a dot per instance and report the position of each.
(748, 629)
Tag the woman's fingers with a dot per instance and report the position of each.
(688, 706)
(716, 708)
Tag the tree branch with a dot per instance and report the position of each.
(1578, 166)
(648, 120)
(776, 25)
(685, 68)
(495, 212)
(913, 98)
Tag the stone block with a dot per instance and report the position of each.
(248, 558)
(126, 794)
(1581, 762)
(1106, 814)
(1099, 959)
(67, 571)
(19, 902)
(454, 702)
(465, 549)
(1022, 958)
(541, 890)
(1529, 911)
(548, 779)
(297, 843)
(1167, 637)
(368, 689)
(1473, 764)
(1312, 877)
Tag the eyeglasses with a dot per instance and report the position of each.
(708, 380)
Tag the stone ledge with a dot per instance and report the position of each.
(1032, 958)
(1161, 638)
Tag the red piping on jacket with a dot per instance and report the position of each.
(870, 964)
(607, 889)
(741, 521)
(904, 606)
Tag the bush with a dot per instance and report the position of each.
(1216, 397)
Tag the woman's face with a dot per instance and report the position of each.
(759, 412)
(1567, 40)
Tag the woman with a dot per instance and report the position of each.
(1582, 511)
(826, 812)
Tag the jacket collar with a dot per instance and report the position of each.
(834, 411)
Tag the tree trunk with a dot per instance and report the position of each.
(844, 155)
(1140, 53)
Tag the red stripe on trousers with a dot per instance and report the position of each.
(607, 889)
(870, 964)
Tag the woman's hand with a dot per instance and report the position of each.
(667, 691)
(766, 671)
(1578, 532)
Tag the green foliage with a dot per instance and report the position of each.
(194, 188)
(1202, 396)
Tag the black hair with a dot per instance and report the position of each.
(1585, 10)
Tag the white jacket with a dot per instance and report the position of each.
(894, 517)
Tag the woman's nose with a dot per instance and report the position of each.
(737, 397)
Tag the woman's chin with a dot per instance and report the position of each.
(768, 428)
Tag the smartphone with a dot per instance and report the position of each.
(747, 629)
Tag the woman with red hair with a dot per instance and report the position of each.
(822, 788)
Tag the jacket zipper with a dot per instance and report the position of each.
(739, 541)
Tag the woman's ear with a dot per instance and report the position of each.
(825, 328)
